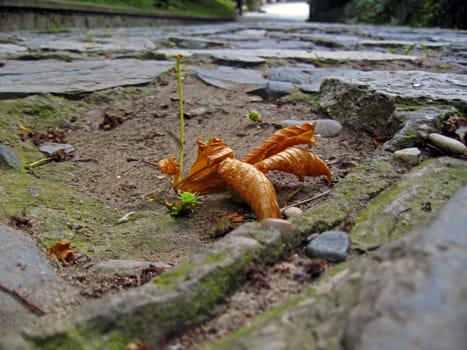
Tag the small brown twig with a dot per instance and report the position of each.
(23, 300)
(307, 200)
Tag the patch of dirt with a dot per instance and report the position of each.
(118, 165)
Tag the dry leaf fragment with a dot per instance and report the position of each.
(282, 139)
(203, 177)
(170, 167)
(254, 187)
(61, 250)
(297, 161)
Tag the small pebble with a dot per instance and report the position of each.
(408, 155)
(323, 127)
(330, 245)
(447, 144)
(291, 212)
(328, 128)
(52, 147)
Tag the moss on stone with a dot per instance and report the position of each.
(412, 201)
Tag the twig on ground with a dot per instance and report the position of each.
(23, 300)
(307, 200)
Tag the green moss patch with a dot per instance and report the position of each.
(396, 211)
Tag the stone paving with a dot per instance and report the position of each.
(412, 290)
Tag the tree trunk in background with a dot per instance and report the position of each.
(253, 5)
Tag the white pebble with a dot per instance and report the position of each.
(447, 144)
(408, 155)
(291, 212)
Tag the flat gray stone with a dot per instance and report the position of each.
(196, 43)
(416, 296)
(127, 266)
(8, 158)
(10, 50)
(230, 78)
(50, 76)
(367, 100)
(402, 43)
(412, 84)
(26, 270)
(338, 56)
(329, 245)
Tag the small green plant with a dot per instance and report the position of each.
(409, 49)
(425, 50)
(107, 34)
(318, 61)
(254, 116)
(185, 205)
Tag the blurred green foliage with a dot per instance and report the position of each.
(418, 13)
(210, 8)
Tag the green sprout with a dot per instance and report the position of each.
(425, 50)
(409, 50)
(254, 116)
(185, 205)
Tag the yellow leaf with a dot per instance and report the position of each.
(254, 187)
(297, 161)
(282, 139)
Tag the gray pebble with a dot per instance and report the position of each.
(9, 158)
(52, 147)
(447, 144)
(329, 245)
(328, 127)
(291, 212)
(408, 155)
(324, 127)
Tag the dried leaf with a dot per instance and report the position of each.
(254, 187)
(203, 177)
(61, 250)
(282, 139)
(170, 167)
(297, 161)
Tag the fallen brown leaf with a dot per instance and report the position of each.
(297, 161)
(282, 139)
(61, 251)
(254, 187)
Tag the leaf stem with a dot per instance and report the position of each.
(182, 122)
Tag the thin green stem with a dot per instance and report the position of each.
(182, 122)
